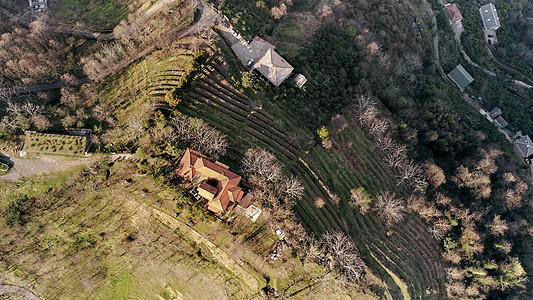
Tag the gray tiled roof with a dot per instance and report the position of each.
(495, 112)
(489, 16)
(524, 146)
(501, 122)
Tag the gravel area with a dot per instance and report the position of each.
(43, 164)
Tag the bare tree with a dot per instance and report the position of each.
(478, 181)
(344, 256)
(262, 163)
(389, 208)
(197, 134)
(498, 227)
(436, 232)
(293, 187)
(434, 174)
(360, 199)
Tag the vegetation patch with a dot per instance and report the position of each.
(55, 143)
(99, 15)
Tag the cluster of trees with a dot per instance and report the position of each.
(31, 55)
(408, 173)
(21, 116)
(339, 254)
(276, 191)
(476, 214)
(136, 36)
(196, 134)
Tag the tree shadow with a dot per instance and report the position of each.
(6, 160)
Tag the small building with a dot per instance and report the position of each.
(260, 55)
(460, 77)
(300, 80)
(38, 5)
(274, 67)
(490, 18)
(214, 181)
(454, 15)
(495, 112)
(524, 147)
(500, 121)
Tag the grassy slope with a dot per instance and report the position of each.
(99, 15)
(76, 244)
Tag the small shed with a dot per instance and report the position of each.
(300, 80)
(500, 121)
(460, 77)
(495, 112)
(38, 5)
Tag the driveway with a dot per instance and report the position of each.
(43, 164)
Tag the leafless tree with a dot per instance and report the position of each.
(362, 104)
(197, 134)
(293, 187)
(498, 227)
(360, 199)
(478, 181)
(436, 232)
(377, 127)
(410, 174)
(262, 163)
(344, 255)
(434, 174)
(389, 208)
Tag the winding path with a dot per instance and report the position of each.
(13, 290)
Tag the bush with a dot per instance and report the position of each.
(18, 211)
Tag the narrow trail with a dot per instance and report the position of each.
(8, 290)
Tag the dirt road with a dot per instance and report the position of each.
(8, 290)
(43, 164)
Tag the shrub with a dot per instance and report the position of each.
(18, 211)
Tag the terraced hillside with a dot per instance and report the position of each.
(150, 77)
(409, 252)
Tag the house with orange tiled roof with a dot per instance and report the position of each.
(214, 182)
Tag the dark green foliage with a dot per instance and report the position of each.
(334, 64)
(18, 211)
(448, 139)
(185, 84)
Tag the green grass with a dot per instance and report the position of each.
(145, 81)
(55, 144)
(99, 15)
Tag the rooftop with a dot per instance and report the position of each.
(274, 67)
(501, 122)
(453, 12)
(216, 183)
(267, 61)
(489, 16)
(461, 77)
(495, 112)
(524, 146)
